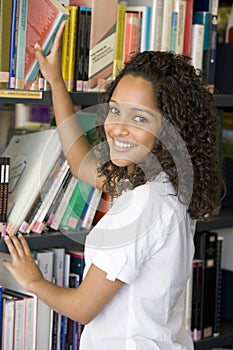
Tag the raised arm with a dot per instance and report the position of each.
(74, 143)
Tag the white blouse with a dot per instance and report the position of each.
(146, 241)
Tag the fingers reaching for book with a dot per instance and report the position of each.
(23, 267)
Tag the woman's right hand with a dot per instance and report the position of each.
(50, 66)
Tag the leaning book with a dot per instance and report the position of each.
(44, 19)
(33, 156)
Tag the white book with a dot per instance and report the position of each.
(8, 306)
(32, 158)
(91, 210)
(166, 26)
(58, 273)
(9, 282)
(197, 45)
(44, 258)
(179, 46)
(38, 223)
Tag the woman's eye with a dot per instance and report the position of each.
(114, 110)
(139, 119)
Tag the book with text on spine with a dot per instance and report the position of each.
(32, 158)
(44, 19)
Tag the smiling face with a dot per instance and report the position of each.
(133, 121)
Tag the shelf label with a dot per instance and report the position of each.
(21, 94)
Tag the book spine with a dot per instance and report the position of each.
(87, 37)
(197, 45)
(56, 220)
(180, 28)
(213, 45)
(91, 210)
(218, 290)
(73, 10)
(118, 53)
(76, 205)
(80, 49)
(65, 50)
(175, 15)
(188, 28)
(21, 44)
(204, 18)
(13, 44)
(197, 287)
(166, 27)
(156, 25)
(131, 35)
(7, 324)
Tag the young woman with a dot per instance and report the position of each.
(155, 153)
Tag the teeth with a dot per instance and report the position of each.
(123, 144)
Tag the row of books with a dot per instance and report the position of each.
(203, 310)
(42, 193)
(26, 322)
(94, 50)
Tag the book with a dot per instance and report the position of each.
(197, 46)
(8, 306)
(91, 209)
(86, 51)
(64, 319)
(174, 25)
(72, 33)
(42, 29)
(21, 44)
(204, 18)
(4, 192)
(166, 25)
(66, 196)
(39, 220)
(33, 156)
(24, 319)
(13, 44)
(131, 35)
(65, 54)
(44, 259)
(58, 274)
(179, 43)
(144, 25)
(118, 50)
(5, 30)
(76, 205)
(79, 54)
(102, 41)
(196, 308)
(206, 250)
(188, 27)
(218, 289)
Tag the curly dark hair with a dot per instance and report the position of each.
(185, 102)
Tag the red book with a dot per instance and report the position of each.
(131, 35)
(44, 19)
(188, 28)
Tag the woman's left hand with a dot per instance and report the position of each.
(23, 267)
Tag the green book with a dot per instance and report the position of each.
(75, 206)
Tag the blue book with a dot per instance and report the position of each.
(13, 45)
(21, 44)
